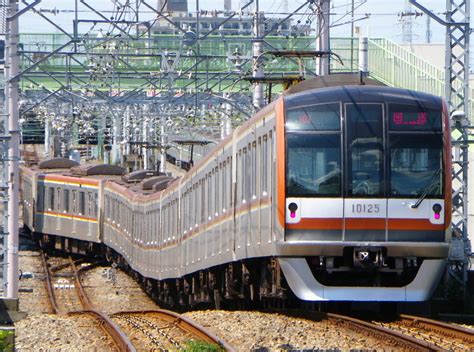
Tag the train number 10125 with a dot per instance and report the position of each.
(365, 208)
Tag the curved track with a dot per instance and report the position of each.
(173, 327)
(120, 340)
(154, 324)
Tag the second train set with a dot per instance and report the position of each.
(338, 193)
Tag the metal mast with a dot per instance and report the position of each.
(4, 158)
(257, 72)
(322, 40)
(457, 25)
(457, 95)
(13, 129)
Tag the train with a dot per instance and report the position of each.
(335, 191)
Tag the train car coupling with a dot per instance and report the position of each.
(364, 257)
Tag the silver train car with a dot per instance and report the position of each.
(333, 193)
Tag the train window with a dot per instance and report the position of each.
(41, 198)
(93, 204)
(59, 198)
(223, 185)
(364, 150)
(211, 193)
(254, 170)
(66, 200)
(323, 117)
(175, 216)
(240, 176)
(96, 204)
(202, 200)
(248, 174)
(404, 117)
(271, 148)
(216, 190)
(415, 165)
(51, 198)
(313, 166)
(209, 196)
(114, 210)
(194, 207)
(188, 219)
(245, 179)
(74, 202)
(264, 179)
(82, 203)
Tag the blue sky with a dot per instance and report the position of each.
(383, 15)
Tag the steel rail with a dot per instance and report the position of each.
(183, 323)
(49, 285)
(86, 303)
(442, 328)
(119, 338)
(402, 340)
(65, 265)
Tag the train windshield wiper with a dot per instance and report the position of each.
(433, 182)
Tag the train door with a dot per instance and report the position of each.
(365, 204)
(91, 213)
(39, 223)
(59, 219)
(52, 215)
(265, 204)
(226, 245)
(82, 214)
(74, 211)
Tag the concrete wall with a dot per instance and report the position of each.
(433, 53)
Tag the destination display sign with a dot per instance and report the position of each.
(407, 118)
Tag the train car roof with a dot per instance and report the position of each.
(97, 169)
(333, 80)
(57, 163)
(361, 94)
(67, 172)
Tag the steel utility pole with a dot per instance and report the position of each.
(322, 39)
(13, 128)
(257, 72)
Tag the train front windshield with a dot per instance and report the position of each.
(372, 157)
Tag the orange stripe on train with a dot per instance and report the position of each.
(364, 224)
(67, 179)
(312, 223)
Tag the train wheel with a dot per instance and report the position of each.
(109, 255)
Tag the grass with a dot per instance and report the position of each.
(201, 346)
(5, 344)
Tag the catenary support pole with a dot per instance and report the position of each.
(322, 39)
(257, 71)
(13, 153)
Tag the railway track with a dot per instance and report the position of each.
(119, 339)
(392, 337)
(165, 330)
(442, 335)
(395, 338)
